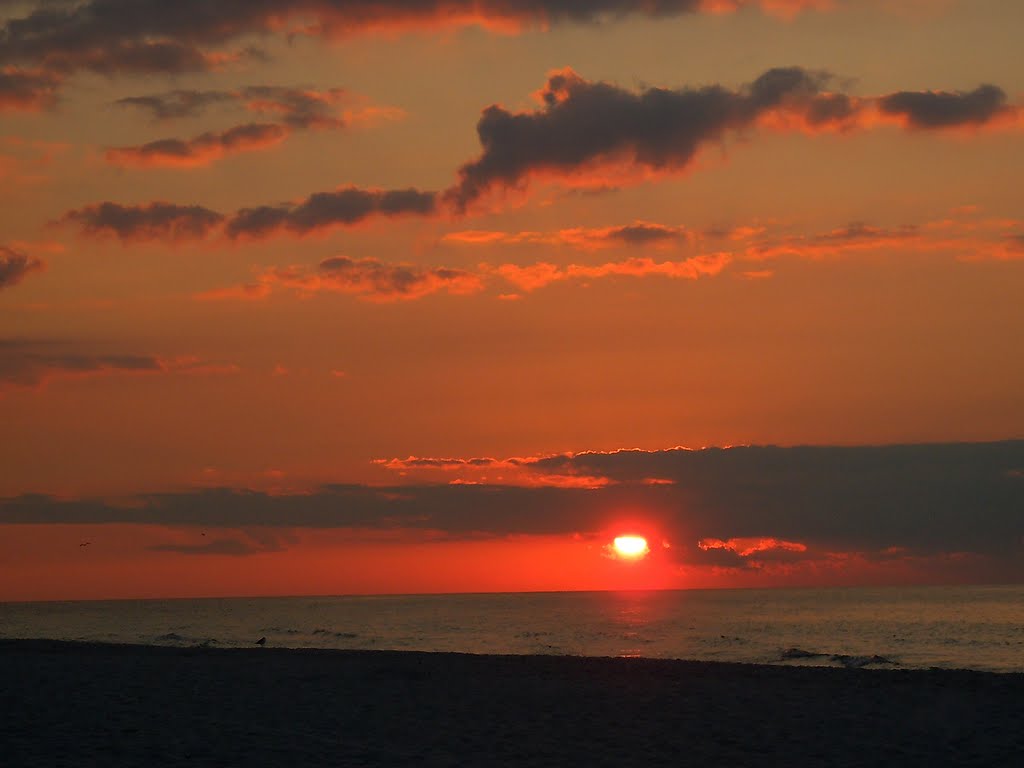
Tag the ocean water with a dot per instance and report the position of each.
(979, 628)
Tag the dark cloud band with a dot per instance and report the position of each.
(725, 507)
(583, 125)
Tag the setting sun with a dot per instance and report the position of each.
(631, 547)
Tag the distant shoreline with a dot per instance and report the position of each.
(107, 704)
(937, 585)
(94, 647)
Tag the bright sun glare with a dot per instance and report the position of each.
(632, 547)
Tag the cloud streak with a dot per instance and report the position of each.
(368, 279)
(534, 276)
(297, 108)
(31, 363)
(639, 233)
(201, 150)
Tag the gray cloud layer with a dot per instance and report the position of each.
(160, 36)
(924, 499)
(199, 149)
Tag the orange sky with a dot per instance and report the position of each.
(282, 251)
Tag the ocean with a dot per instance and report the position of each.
(977, 627)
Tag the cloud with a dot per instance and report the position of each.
(32, 363)
(382, 282)
(592, 132)
(639, 233)
(374, 280)
(857, 236)
(177, 103)
(969, 240)
(297, 108)
(927, 497)
(730, 507)
(27, 90)
(111, 37)
(201, 150)
(146, 36)
(534, 276)
(152, 221)
(368, 279)
(585, 123)
(342, 207)
(319, 212)
(943, 109)
(15, 267)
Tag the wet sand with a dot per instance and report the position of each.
(76, 704)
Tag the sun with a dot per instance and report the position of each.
(631, 547)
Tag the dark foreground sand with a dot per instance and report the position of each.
(69, 704)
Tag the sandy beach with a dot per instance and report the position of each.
(73, 704)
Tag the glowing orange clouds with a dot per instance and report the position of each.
(750, 545)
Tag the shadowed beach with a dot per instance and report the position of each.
(79, 704)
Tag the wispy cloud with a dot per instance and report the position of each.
(368, 279)
(15, 267)
(27, 90)
(32, 363)
(296, 108)
(639, 233)
(201, 150)
(534, 276)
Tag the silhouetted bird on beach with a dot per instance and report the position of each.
(262, 641)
